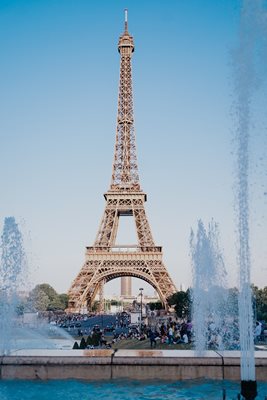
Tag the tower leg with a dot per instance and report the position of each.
(101, 297)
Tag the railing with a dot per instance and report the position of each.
(124, 249)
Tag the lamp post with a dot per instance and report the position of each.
(141, 313)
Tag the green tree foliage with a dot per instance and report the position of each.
(94, 339)
(44, 298)
(155, 306)
(64, 299)
(37, 300)
(181, 302)
(89, 340)
(75, 346)
(49, 290)
(83, 343)
(260, 302)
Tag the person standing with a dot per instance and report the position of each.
(152, 337)
(170, 335)
(257, 332)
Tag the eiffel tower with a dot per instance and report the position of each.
(104, 260)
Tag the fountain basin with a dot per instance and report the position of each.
(131, 364)
(122, 389)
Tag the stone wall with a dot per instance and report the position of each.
(132, 364)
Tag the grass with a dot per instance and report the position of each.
(134, 344)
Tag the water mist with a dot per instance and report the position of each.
(213, 314)
(12, 272)
(253, 22)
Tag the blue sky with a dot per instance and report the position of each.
(59, 76)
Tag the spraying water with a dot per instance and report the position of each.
(14, 333)
(213, 325)
(12, 268)
(253, 19)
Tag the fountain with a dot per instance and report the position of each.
(208, 267)
(14, 334)
(13, 266)
(212, 315)
(211, 280)
(253, 20)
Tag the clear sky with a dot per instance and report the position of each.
(59, 75)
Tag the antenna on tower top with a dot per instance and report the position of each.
(126, 20)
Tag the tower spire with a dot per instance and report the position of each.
(126, 20)
(125, 170)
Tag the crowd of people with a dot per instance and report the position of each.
(162, 331)
(167, 332)
(171, 332)
(62, 319)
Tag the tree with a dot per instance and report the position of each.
(182, 303)
(155, 306)
(56, 304)
(94, 339)
(64, 299)
(38, 300)
(75, 346)
(45, 298)
(83, 343)
(260, 298)
(48, 290)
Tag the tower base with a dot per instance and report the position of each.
(106, 263)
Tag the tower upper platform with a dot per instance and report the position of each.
(126, 43)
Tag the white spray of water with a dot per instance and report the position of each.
(252, 23)
(14, 279)
(12, 268)
(210, 296)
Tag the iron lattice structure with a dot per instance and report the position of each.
(105, 261)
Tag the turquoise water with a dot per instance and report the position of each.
(121, 390)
